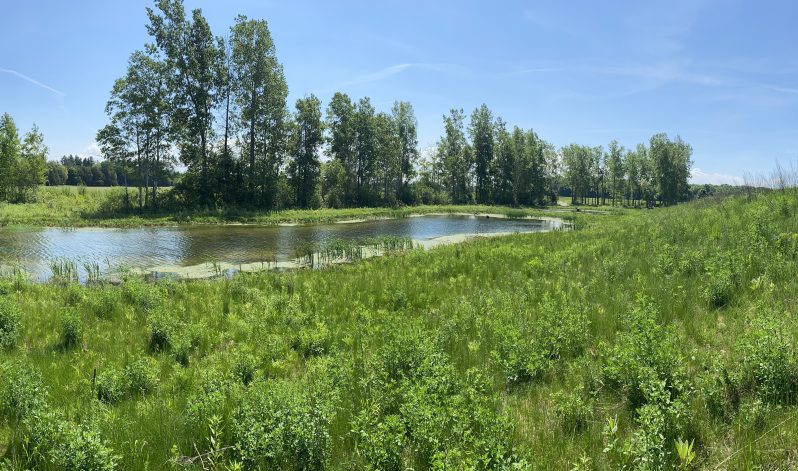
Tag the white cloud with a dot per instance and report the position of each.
(387, 72)
(93, 149)
(33, 81)
(701, 177)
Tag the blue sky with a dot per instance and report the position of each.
(722, 74)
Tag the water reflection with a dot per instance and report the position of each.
(35, 249)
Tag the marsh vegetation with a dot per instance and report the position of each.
(647, 340)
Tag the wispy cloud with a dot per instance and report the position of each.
(396, 69)
(33, 81)
(661, 72)
(788, 91)
(701, 177)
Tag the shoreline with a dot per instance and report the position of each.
(211, 270)
(533, 213)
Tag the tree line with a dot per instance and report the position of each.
(76, 170)
(23, 161)
(217, 105)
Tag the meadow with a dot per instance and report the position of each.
(662, 339)
(71, 206)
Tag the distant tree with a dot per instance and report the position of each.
(456, 158)
(406, 125)
(31, 170)
(194, 61)
(56, 174)
(670, 163)
(9, 155)
(365, 151)
(260, 93)
(341, 140)
(388, 153)
(615, 171)
(503, 167)
(333, 185)
(481, 130)
(23, 164)
(307, 138)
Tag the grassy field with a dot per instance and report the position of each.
(644, 340)
(67, 206)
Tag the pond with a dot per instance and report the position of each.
(166, 249)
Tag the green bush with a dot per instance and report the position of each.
(21, 390)
(769, 360)
(141, 375)
(527, 353)
(643, 353)
(163, 331)
(313, 341)
(279, 425)
(9, 323)
(71, 329)
(244, 367)
(52, 441)
(380, 441)
(106, 303)
(110, 386)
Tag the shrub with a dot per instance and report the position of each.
(244, 367)
(141, 375)
(769, 360)
(21, 390)
(313, 341)
(528, 353)
(71, 329)
(110, 386)
(142, 295)
(380, 440)
(280, 425)
(720, 288)
(9, 323)
(163, 329)
(52, 441)
(644, 352)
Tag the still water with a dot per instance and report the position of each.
(33, 250)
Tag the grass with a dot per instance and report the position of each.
(646, 340)
(66, 206)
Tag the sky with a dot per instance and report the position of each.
(721, 74)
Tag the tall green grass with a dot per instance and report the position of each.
(645, 340)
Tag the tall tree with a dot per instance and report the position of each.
(9, 155)
(260, 92)
(456, 157)
(23, 164)
(615, 171)
(365, 151)
(307, 139)
(481, 130)
(503, 167)
(406, 125)
(32, 167)
(388, 153)
(341, 124)
(195, 60)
